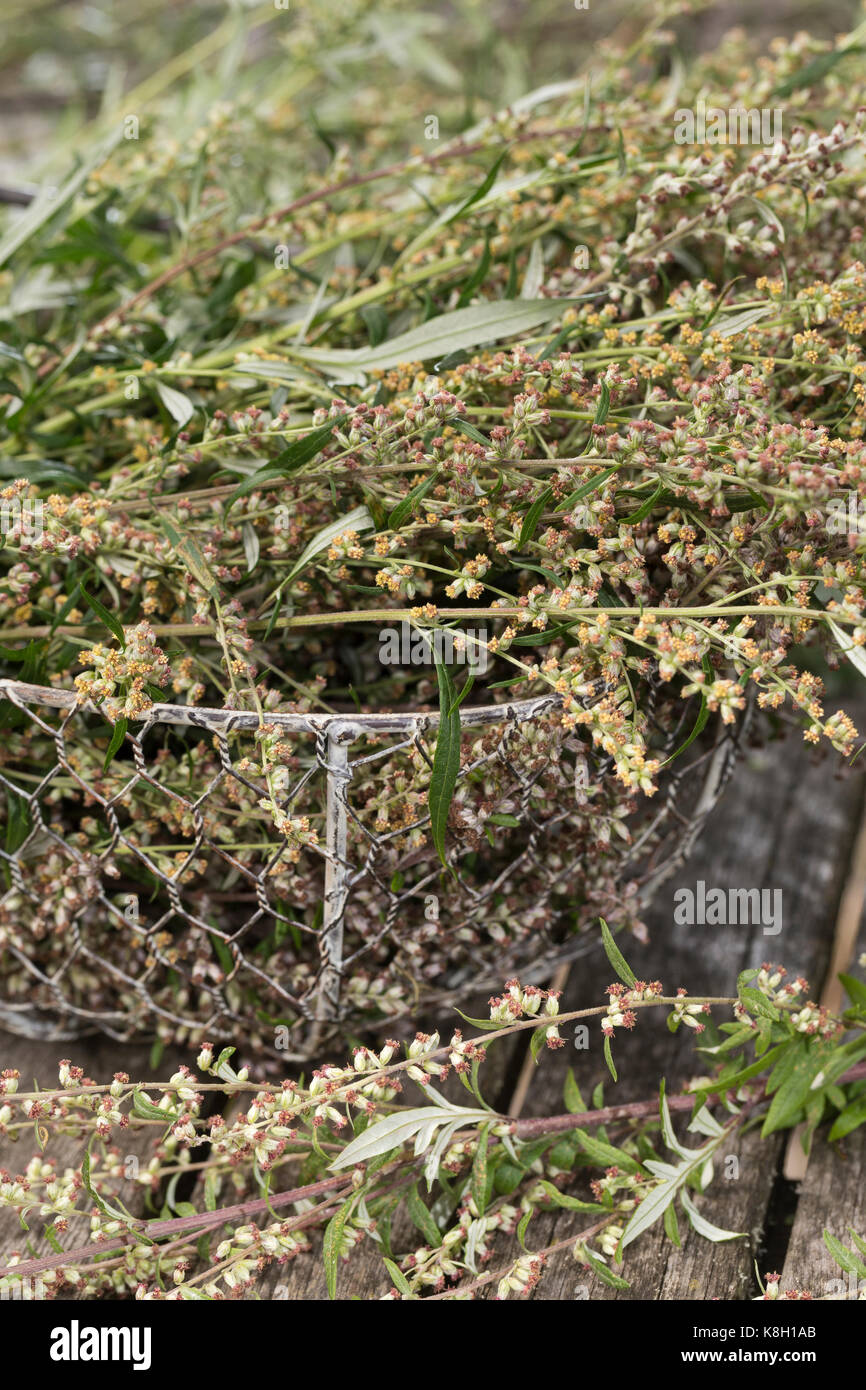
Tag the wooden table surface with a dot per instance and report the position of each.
(788, 820)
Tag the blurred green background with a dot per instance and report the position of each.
(67, 67)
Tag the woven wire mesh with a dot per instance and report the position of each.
(151, 894)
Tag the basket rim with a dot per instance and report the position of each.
(345, 726)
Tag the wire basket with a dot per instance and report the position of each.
(149, 895)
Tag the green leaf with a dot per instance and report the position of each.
(615, 956)
(104, 616)
(446, 761)
(574, 1102)
(537, 1042)
(179, 406)
(117, 736)
(855, 989)
(293, 457)
(814, 72)
(845, 1258)
(478, 1180)
(420, 1216)
(605, 1155)
(483, 188)
(601, 1271)
(404, 508)
(644, 509)
(530, 521)
(47, 204)
(332, 1242)
(586, 488)
(462, 328)
(851, 1118)
(793, 1076)
(672, 1226)
(603, 407)
(398, 1129)
(376, 322)
(699, 724)
(357, 520)
(561, 1199)
(143, 1106)
(704, 1227)
(523, 1227)
(608, 1057)
(190, 552)
(398, 1278)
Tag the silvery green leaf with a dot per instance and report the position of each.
(659, 1169)
(704, 1227)
(856, 655)
(475, 1234)
(395, 1130)
(381, 1137)
(251, 545)
(179, 406)
(357, 520)
(534, 277)
(447, 333)
(738, 323)
(668, 1130)
(50, 200)
(439, 1149)
(705, 1123)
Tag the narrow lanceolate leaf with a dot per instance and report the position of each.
(398, 1278)
(446, 761)
(463, 328)
(115, 743)
(574, 1102)
(398, 1129)
(102, 613)
(189, 550)
(478, 1180)
(603, 407)
(605, 1155)
(358, 520)
(672, 1182)
(615, 956)
(704, 1227)
(608, 1057)
(533, 516)
(561, 1199)
(845, 1258)
(602, 1272)
(179, 406)
(856, 655)
(420, 1215)
(333, 1239)
(851, 1118)
(404, 508)
(252, 549)
(293, 457)
(50, 201)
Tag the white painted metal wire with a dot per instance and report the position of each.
(155, 897)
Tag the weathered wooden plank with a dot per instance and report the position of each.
(831, 1196)
(37, 1062)
(788, 822)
